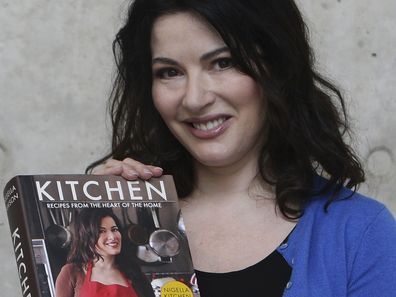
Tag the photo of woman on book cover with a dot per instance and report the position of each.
(97, 264)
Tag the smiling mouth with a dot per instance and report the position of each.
(209, 125)
(112, 244)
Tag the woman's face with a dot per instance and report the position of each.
(109, 241)
(213, 109)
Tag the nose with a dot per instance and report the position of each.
(110, 235)
(198, 93)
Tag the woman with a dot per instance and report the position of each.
(96, 264)
(224, 96)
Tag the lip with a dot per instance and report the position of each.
(112, 244)
(210, 133)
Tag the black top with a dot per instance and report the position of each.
(266, 278)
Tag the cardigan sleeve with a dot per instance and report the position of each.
(374, 267)
(68, 281)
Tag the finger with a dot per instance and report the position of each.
(115, 170)
(144, 171)
(112, 163)
(110, 166)
(128, 172)
(156, 171)
(122, 168)
(105, 170)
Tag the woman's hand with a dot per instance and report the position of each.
(128, 168)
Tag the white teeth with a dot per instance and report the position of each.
(208, 125)
(112, 244)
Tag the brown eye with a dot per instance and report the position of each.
(224, 63)
(167, 73)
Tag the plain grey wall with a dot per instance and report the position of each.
(56, 66)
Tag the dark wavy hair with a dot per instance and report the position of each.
(305, 117)
(85, 235)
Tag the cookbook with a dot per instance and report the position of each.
(45, 212)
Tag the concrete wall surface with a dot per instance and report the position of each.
(56, 67)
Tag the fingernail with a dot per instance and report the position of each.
(158, 169)
(147, 172)
(132, 173)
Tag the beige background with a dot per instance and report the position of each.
(56, 67)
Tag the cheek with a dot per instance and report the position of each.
(248, 91)
(242, 91)
(250, 96)
(164, 103)
(157, 98)
(102, 237)
(252, 104)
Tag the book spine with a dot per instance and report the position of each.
(21, 241)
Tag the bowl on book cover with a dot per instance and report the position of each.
(164, 243)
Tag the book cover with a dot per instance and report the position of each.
(64, 226)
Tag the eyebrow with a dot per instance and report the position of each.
(101, 227)
(163, 60)
(214, 53)
(204, 57)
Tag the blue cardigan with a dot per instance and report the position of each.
(348, 251)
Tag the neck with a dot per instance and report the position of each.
(234, 180)
(105, 263)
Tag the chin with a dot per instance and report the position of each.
(213, 160)
(117, 252)
(113, 252)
